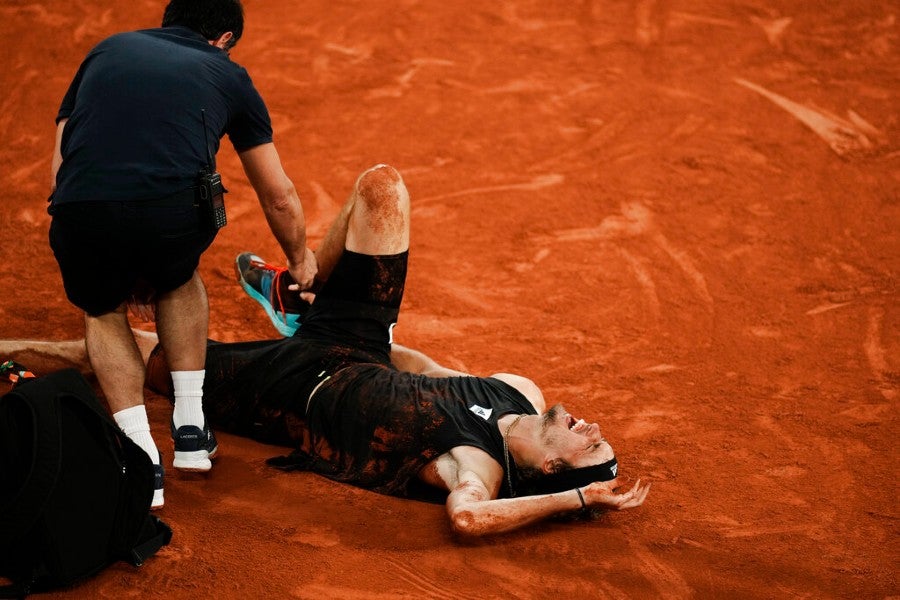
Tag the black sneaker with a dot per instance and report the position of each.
(158, 474)
(194, 447)
(267, 284)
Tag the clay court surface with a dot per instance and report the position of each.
(679, 218)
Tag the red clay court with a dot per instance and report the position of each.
(679, 218)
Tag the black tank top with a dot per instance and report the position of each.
(375, 427)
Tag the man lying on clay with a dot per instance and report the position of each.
(362, 410)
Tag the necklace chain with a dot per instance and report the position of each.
(512, 492)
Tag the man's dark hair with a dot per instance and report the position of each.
(210, 18)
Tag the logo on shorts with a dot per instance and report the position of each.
(484, 413)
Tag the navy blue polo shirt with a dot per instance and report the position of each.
(135, 128)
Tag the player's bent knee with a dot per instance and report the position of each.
(379, 218)
(380, 185)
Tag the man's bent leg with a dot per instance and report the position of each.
(119, 367)
(374, 220)
(115, 358)
(183, 323)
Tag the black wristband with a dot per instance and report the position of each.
(581, 497)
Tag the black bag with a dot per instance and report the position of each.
(75, 491)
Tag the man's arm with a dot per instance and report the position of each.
(281, 205)
(57, 154)
(413, 361)
(474, 482)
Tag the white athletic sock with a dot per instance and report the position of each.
(188, 386)
(133, 421)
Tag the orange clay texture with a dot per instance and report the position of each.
(678, 218)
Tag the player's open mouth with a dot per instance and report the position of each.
(576, 425)
(579, 426)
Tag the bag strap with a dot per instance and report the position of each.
(151, 546)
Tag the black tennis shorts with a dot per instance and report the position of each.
(107, 251)
(359, 304)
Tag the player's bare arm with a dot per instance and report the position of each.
(474, 480)
(413, 361)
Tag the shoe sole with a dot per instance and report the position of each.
(197, 461)
(285, 329)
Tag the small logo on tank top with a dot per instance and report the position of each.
(484, 413)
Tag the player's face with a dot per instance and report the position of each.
(579, 443)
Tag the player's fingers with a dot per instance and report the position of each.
(633, 497)
(639, 497)
(630, 493)
(631, 503)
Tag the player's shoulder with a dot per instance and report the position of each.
(525, 386)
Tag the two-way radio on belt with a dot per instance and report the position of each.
(211, 192)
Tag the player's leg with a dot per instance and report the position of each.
(237, 392)
(374, 220)
(359, 302)
(46, 355)
(42, 356)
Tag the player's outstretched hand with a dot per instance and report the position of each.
(601, 494)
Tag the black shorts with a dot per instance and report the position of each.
(359, 304)
(108, 250)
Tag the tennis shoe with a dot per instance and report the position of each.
(194, 447)
(15, 372)
(268, 285)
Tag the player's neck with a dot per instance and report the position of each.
(521, 434)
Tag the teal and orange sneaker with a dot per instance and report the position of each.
(14, 372)
(268, 285)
